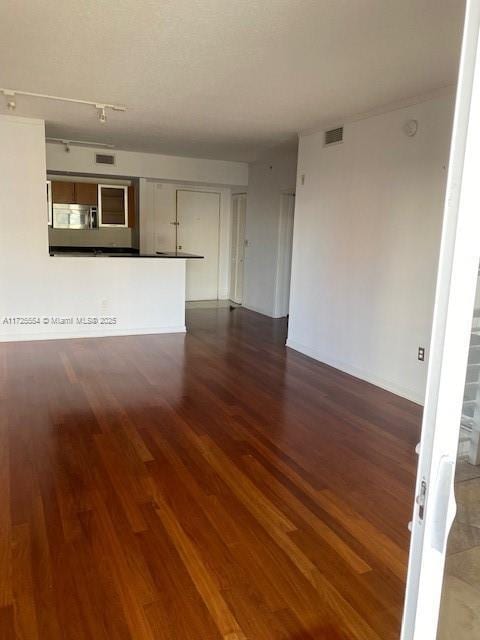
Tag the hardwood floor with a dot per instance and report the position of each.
(199, 487)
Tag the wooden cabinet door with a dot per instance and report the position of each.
(112, 206)
(131, 206)
(86, 193)
(63, 192)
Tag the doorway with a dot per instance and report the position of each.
(198, 222)
(239, 211)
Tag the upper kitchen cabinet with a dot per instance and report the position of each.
(132, 198)
(112, 206)
(74, 193)
(86, 193)
(63, 192)
(116, 204)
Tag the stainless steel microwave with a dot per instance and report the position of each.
(74, 216)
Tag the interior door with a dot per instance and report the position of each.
(198, 217)
(434, 507)
(239, 205)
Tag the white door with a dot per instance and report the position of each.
(457, 277)
(239, 210)
(198, 217)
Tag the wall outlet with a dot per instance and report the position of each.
(302, 179)
(421, 353)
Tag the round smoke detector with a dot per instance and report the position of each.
(410, 128)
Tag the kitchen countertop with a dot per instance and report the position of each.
(115, 252)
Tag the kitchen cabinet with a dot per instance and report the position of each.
(74, 193)
(112, 205)
(63, 192)
(116, 203)
(86, 193)
(132, 197)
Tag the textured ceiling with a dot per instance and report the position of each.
(221, 78)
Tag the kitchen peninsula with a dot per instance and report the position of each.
(145, 295)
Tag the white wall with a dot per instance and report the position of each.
(146, 295)
(147, 165)
(268, 179)
(366, 242)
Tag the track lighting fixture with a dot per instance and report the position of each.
(10, 95)
(80, 143)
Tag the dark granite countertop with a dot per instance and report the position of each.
(115, 252)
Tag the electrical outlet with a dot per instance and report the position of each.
(421, 353)
(302, 179)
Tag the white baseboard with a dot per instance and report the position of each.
(62, 335)
(263, 312)
(404, 392)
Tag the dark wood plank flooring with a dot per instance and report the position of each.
(200, 487)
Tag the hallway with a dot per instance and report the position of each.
(198, 487)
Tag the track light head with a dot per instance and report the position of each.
(10, 98)
(102, 116)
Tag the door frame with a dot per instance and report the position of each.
(284, 247)
(434, 507)
(238, 265)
